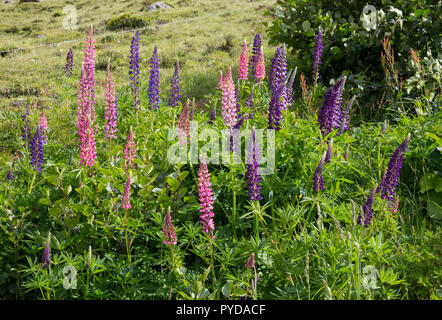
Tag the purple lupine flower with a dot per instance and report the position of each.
(69, 62)
(249, 104)
(256, 50)
(253, 177)
(205, 198)
(274, 79)
(330, 114)
(46, 258)
(154, 81)
(329, 151)
(175, 88)
(317, 56)
(9, 175)
(26, 130)
(213, 115)
(36, 147)
(275, 107)
(391, 176)
(134, 69)
(367, 209)
(289, 89)
(345, 116)
(318, 180)
(168, 230)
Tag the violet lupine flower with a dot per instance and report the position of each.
(251, 262)
(134, 69)
(36, 148)
(391, 176)
(125, 199)
(110, 106)
(289, 89)
(69, 62)
(9, 175)
(88, 154)
(367, 209)
(249, 104)
(243, 63)
(26, 130)
(317, 56)
(168, 230)
(46, 258)
(175, 88)
(129, 151)
(329, 116)
(329, 151)
(213, 115)
(253, 177)
(260, 68)
(318, 180)
(229, 101)
(275, 107)
(154, 81)
(278, 69)
(256, 52)
(205, 198)
(345, 116)
(184, 125)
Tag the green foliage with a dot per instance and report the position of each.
(126, 21)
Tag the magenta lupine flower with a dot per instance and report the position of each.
(318, 180)
(175, 88)
(205, 198)
(391, 176)
(154, 80)
(229, 101)
(243, 63)
(367, 210)
(192, 111)
(46, 257)
(125, 199)
(260, 67)
(253, 177)
(251, 262)
(184, 125)
(168, 230)
(88, 153)
(134, 68)
(317, 56)
(256, 51)
(129, 151)
(36, 148)
(69, 62)
(329, 116)
(275, 108)
(110, 106)
(329, 151)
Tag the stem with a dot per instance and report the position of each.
(32, 183)
(212, 265)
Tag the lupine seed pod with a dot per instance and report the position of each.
(168, 230)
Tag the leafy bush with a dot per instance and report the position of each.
(126, 21)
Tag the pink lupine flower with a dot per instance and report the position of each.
(125, 199)
(243, 63)
(229, 101)
(43, 126)
(251, 262)
(110, 106)
(88, 153)
(184, 125)
(260, 67)
(129, 151)
(168, 230)
(220, 81)
(205, 197)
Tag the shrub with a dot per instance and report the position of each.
(126, 21)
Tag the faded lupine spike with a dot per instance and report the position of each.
(9, 175)
(46, 258)
(318, 180)
(256, 51)
(249, 104)
(384, 126)
(220, 81)
(71, 157)
(89, 258)
(329, 150)
(213, 115)
(251, 262)
(168, 230)
(289, 88)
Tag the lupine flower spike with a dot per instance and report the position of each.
(205, 198)
(168, 230)
(125, 199)
(110, 106)
(88, 153)
(229, 101)
(275, 107)
(244, 63)
(69, 62)
(9, 175)
(329, 151)
(213, 115)
(318, 180)
(249, 104)
(36, 148)
(26, 130)
(251, 262)
(260, 67)
(175, 88)
(391, 176)
(154, 80)
(256, 51)
(220, 81)
(289, 88)
(367, 209)
(46, 258)
(134, 69)
(317, 56)
(43, 126)
(184, 125)
(129, 151)
(253, 177)
(89, 258)
(329, 116)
